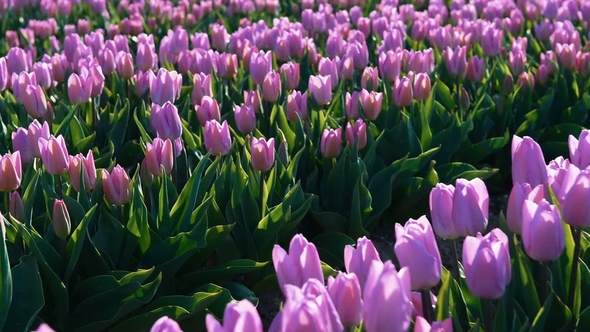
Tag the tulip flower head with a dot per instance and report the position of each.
(238, 316)
(217, 138)
(263, 154)
(300, 264)
(10, 171)
(54, 154)
(116, 186)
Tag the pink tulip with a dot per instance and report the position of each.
(11, 171)
(217, 138)
(54, 154)
(36, 131)
(543, 236)
(263, 154)
(16, 206)
(61, 219)
(80, 86)
(371, 102)
(359, 260)
(422, 325)
(271, 86)
(576, 189)
(320, 88)
(165, 121)
(166, 324)
(245, 118)
(159, 154)
(370, 79)
(116, 186)
(125, 65)
(260, 65)
(403, 94)
(580, 149)
(201, 87)
(528, 163)
(416, 248)
(331, 144)
(455, 60)
(292, 75)
(166, 86)
(486, 261)
(422, 86)
(358, 131)
(299, 265)
(20, 144)
(236, 317)
(476, 69)
(89, 174)
(519, 193)
(296, 106)
(387, 288)
(208, 110)
(345, 292)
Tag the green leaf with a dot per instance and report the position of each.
(76, 241)
(5, 277)
(331, 245)
(138, 217)
(28, 297)
(218, 273)
(529, 292)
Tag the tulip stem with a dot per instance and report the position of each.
(489, 308)
(261, 195)
(456, 273)
(544, 271)
(349, 329)
(7, 202)
(574, 276)
(458, 92)
(60, 187)
(427, 306)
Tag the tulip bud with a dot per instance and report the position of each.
(201, 87)
(345, 292)
(416, 248)
(271, 86)
(89, 175)
(331, 144)
(299, 265)
(125, 65)
(422, 325)
(486, 261)
(54, 154)
(16, 207)
(116, 186)
(320, 88)
(208, 110)
(464, 99)
(296, 106)
(21, 144)
(519, 193)
(329, 68)
(359, 260)
(283, 153)
(61, 219)
(260, 65)
(576, 189)
(144, 174)
(166, 86)
(263, 154)
(358, 131)
(455, 60)
(528, 162)
(166, 324)
(245, 118)
(217, 138)
(422, 86)
(351, 105)
(402, 93)
(580, 149)
(80, 86)
(390, 66)
(543, 236)
(165, 121)
(385, 289)
(370, 79)
(371, 102)
(159, 154)
(236, 316)
(476, 69)
(292, 75)
(34, 101)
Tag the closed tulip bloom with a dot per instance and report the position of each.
(486, 261)
(146, 58)
(237, 316)
(331, 144)
(370, 79)
(441, 210)
(519, 193)
(11, 171)
(358, 131)
(165, 121)
(351, 105)
(385, 290)
(292, 75)
(252, 99)
(201, 87)
(417, 307)
(21, 144)
(125, 65)
(403, 94)
(116, 186)
(271, 86)
(470, 206)
(359, 260)
(263, 154)
(528, 162)
(80, 86)
(309, 308)
(371, 102)
(491, 41)
(4, 77)
(543, 236)
(44, 74)
(421, 325)
(345, 292)
(327, 67)
(576, 189)
(208, 110)
(159, 154)
(36, 131)
(89, 175)
(299, 265)
(260, 65)
(227, 66)
(217, 138)
(61, 219)
(296, 105)
(476, 69)
(16, 207)
(20, 83)
(580, 149)
(456, 60)
(320, 88)
(34, 101)
(416, 248)
(166, 324)
(245, 118)
(566, 53)
(422, 86)
(390, 66)
(54, 154)
(165, 87)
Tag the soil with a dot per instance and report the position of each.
(384, 239)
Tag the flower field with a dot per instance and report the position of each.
(165, 164)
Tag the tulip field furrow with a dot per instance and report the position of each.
(172, 165)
